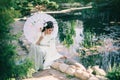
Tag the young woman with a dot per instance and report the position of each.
(44, 52)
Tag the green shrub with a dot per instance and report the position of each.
(25, 6)
(8, 54)
(52, 5)
(91, 60)
(22, 70)
(114, 74)
(88, 39)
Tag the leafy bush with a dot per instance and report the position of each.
(8, 67)
(114, 74)
(91, 60)
(52, 5)
(25, 6)
(88, 39)
(22, 70)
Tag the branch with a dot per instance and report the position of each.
(67, 10)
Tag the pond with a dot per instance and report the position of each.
(96, 40)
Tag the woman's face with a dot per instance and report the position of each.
(49, 31)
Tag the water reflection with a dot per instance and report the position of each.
(78, 38)
(103, 42)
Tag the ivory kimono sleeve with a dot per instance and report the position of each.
(37, 38)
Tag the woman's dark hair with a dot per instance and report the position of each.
(49, 25)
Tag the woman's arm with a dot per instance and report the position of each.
(39, 40)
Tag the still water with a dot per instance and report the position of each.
(98, 31)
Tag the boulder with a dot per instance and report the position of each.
(82, 75)
(80, 66)
(75, 63)
(93, 78)
(85, 76)
(78, 73)
(99, 71)
(90, 70)
(70, 70)
(63, 67)
(101, 77)
(55, 65)
(72, 66)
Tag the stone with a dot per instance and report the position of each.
(82, 75)
(93, 78)
(89, 70)
(70, 61)
(75, 63)
(72, 66)
(99, 71)
(85, 76)
(78, 73)
(70, 70)
(101, 77)
(80, 66)
(95, 67)
(55, 65)
(91, 75)
(63, 67)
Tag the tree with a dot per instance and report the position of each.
(26, 6)
(8, 67)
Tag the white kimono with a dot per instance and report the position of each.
(44, 54)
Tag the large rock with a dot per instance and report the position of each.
(75, 63)
(101, 77)
(90, 70)
(82, 75)
(85, 76)
(99, 71)
(72, 66)
(55, 65)
(93, 78)
(80, 66)
(78, 73)
(76, 69)
(71, 70)
(63, 67)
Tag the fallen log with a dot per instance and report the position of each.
(64, 11)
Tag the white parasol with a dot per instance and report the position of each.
(36, 22)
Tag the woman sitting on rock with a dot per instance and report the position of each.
(44, 52)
